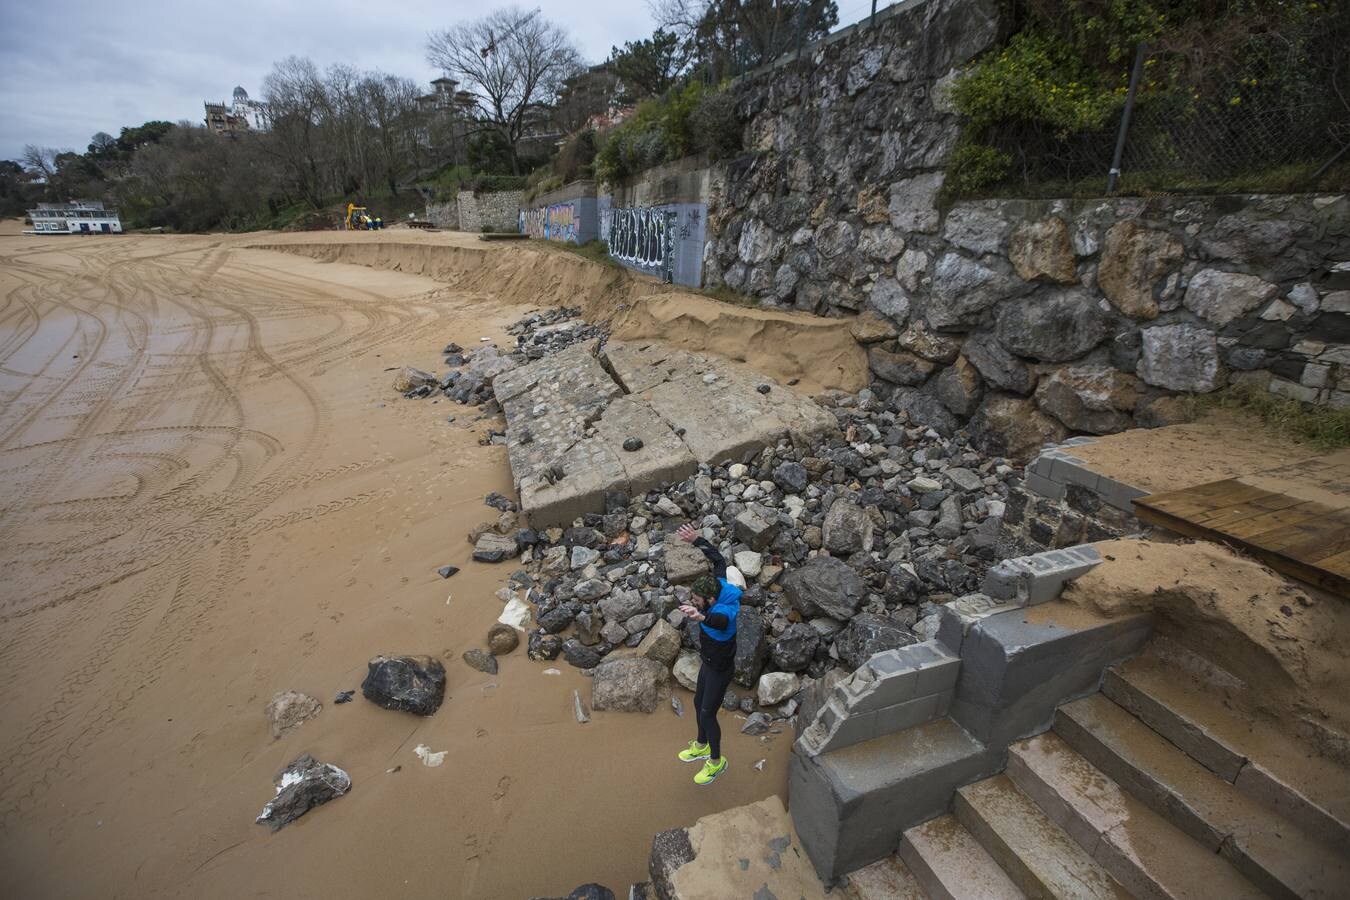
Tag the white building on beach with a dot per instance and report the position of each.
(79, 217)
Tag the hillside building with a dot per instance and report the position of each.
(240, 115)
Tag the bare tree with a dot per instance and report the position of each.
(513, 62)
(41, 160)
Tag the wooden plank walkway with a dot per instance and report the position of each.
(1294, 518)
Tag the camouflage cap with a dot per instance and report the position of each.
(705, 586)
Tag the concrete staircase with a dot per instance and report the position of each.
(1159, 786)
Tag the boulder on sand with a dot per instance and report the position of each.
(304, 784)
(408, 378)
(662, 643)
(775, 687)
(632, 684)
(415, 684)
(502, 639)
(686, 669)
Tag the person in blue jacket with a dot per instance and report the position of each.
(714, 606)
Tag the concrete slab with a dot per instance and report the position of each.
(1018, 666)
(852, 806)
(720, 424)
(662, 459)
(748, 851)
(1273, 853)
(950, 864)
(1039, 857)
(1140, 849)
(568, 410)
(590, 468)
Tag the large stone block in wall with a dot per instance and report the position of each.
(1013, 427)
(1181, 358)
(1094, 399)
(1042, 251)
(1053, 325)
(981, 227)
(900, 367)
(1135, 261)
(1222, 297)
(914, 202)
(890, 300)
(758, 243)
(997, 366)
(963, 289)
(958, 387)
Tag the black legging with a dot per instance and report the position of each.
(712, 687)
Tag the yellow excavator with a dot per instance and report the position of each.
(358, 219)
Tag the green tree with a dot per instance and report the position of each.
(648, 67)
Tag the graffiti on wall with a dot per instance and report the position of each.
(643, 237)
(532, 222)
(551, 223)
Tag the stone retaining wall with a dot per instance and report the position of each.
(494, 211)
(444, 215)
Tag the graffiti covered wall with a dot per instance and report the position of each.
(665, 240)
(560, 222)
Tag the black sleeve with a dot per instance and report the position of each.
(717, 620)
(719, 564)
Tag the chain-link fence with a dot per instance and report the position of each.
(1270, 112)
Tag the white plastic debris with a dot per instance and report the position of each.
(429, 759)
(759, 766)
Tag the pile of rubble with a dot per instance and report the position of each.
(847, 546)
(470, 375)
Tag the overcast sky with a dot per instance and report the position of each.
(74, 67)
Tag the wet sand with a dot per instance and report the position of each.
(210, 493)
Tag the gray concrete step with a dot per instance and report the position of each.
(1273, 853)
(851, 806)
(1139, 848)
(885, 879)
(1260, 760)
(1038, 855)
(950, 864)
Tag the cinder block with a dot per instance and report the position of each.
(855, 728)
(1073, 473)
(1044, 486)
(1041, 465)
(1002, 581)
(905, 715)
(887, 662)
(1119, 495)
(1064, 464)
(888, 690)
(938, 676)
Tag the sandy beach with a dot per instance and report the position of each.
(210, 492)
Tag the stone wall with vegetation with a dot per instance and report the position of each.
(1023, 320)
(1037, 318)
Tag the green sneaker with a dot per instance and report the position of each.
(710, 771)
(694, 752)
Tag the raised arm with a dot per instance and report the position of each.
(719, 563)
